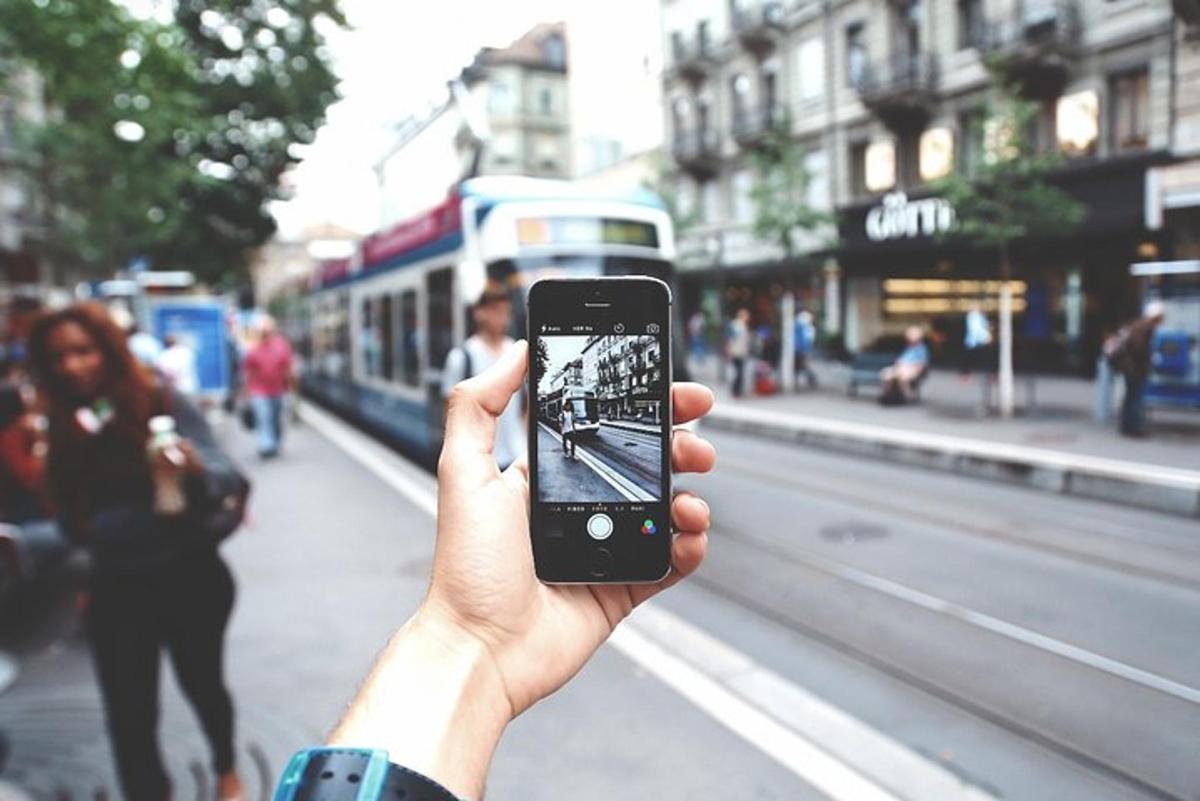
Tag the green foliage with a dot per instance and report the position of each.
(222, 94)
(665, 187)
(780, 192)
(1009, 198)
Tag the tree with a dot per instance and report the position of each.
(165, 139)
(1009, 199)
(541, 359)
(780, 192)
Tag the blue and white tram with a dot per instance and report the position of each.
(378, 326)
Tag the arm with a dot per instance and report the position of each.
(489, 640)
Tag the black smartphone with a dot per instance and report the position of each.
(600, 429)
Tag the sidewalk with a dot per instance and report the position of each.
(1052, 442)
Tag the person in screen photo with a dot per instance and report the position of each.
(566, 426)
(599, 418)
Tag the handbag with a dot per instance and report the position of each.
(217, 497)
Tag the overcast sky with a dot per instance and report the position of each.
(561, 349)
(396, 59)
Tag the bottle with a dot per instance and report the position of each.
(169, 498)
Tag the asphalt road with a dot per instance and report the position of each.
(1025, 645)
(621, 462)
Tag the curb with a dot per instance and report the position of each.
(1146, 486)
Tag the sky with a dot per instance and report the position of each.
(393, 62)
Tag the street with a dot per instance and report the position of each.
(621, 462)
(918, 629)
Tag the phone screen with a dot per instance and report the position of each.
(600, 423)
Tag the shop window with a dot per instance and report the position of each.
(1130, 121)
(1078, 123)
(856, 53)
(410, 369)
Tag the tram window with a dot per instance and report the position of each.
(386, 340)
(439, 286)
(411, 372)
(370, 344)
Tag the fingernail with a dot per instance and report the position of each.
(703, 505)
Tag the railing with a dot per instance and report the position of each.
(752, 124)
(1038, 24)
(903, 75)
(754, 17)
(699, 143)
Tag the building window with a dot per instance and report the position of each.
(739, 91)
(1077, 122)
(770, 91)
(709, 198)
(970, 23)
(555, 51)
(816, 168)
(856, 53)
(858, 169)
(500, 99)
(880, 166)
(410, 365)
(810, 69)
(1130, 102)
(971, 136)
(908, 18)
(743, 205)
(702, 36)
(937, 153)
(545, 101)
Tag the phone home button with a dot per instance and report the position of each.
(600, 526)
(602, 560)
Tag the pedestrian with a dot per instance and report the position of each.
(22, 455)
(177, 365)
(267, 377)
(977, 339)
(737, 348)
(697, 328)
(490, 640)
(566, 427)
(1129, 352)
(157, 581)
(804, 343)
(492, 314)
(900, 379)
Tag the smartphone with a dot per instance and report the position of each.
(600, 429)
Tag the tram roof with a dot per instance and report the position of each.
(493, 189)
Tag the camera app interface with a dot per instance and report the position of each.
(599, 420)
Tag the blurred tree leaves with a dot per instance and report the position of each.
(165, 138)
(780, 191)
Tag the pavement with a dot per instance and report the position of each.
(860, 632)
(1053, 442)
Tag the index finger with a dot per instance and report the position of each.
(690, 401)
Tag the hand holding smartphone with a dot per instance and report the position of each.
(599, 429)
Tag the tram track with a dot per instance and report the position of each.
(857, 635)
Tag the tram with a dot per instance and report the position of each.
(373, 331)
(584, 406)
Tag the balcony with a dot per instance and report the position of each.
(757, 24)
(1035, 49)
(698, 152)
(901, 91)
(692, 58)
(751, 127)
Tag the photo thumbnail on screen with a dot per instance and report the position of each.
(599, 417)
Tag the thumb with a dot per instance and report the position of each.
(474, 405)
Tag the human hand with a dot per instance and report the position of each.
(490, 640)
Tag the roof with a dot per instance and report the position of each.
(528, 50)
(491, 189)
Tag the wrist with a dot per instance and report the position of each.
(435, 702)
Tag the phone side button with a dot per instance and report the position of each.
(602, 560)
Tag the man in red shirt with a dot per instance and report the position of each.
(267, 371)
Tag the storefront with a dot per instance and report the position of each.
(899, 268)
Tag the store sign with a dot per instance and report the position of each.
(899, 218)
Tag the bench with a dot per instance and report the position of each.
(865, 369)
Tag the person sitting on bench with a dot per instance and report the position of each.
(909, 368)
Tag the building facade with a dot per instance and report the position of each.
(887, 96)
(512, 118)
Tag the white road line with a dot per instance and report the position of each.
(722, 681)
(1012, 631)
(628, 489)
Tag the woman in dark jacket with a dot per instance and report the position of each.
(157, 580)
